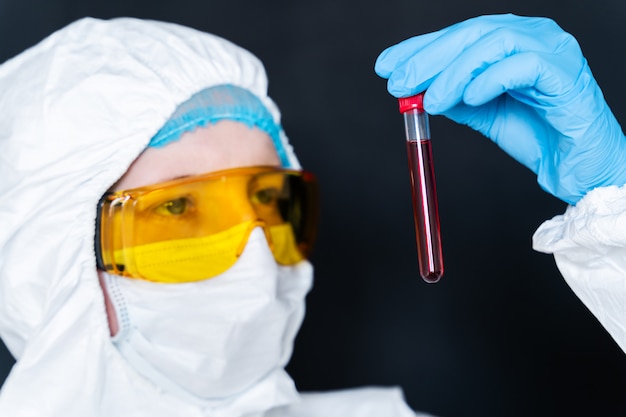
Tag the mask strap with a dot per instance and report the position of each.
(119, 305)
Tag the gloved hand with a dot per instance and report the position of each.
(552, 116)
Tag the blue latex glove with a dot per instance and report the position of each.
(552, 116)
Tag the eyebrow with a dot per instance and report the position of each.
(180, 177)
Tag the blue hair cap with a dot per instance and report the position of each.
(222, 102)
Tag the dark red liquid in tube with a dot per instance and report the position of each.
(425, 209)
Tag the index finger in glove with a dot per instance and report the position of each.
(394, 56)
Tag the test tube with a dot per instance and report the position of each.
(422, 173)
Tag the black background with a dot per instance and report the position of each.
(501, 334)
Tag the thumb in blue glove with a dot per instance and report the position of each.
(524, 83)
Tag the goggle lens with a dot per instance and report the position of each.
(195, 228)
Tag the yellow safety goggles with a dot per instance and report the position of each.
(195, 228)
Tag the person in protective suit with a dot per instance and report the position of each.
(156, 222)
(524, 83)
(155, 228)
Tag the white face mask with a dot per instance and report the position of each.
(215, 338)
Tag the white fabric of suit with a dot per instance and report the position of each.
(75, 111)
(589, 245)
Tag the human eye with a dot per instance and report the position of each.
(266, 196)
(174, 207)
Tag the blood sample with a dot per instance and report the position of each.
(422, 173)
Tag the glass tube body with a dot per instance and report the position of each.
(425, 208)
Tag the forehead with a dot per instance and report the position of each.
(223, 145)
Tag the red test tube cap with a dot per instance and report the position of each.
(413, 102)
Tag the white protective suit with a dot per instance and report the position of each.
(589, 246)
(75, 111)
